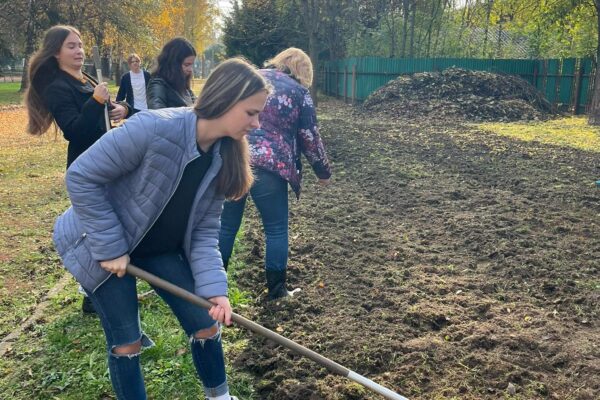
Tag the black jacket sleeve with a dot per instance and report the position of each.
(156, 94)
(76, 125)
(123, 86)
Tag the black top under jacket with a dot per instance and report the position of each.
(166, 235)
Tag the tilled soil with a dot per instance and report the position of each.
(442, 261)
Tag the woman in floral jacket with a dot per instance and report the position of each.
(288, 128)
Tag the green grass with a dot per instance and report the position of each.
(568, 132)
(9, 93)
(63, 357)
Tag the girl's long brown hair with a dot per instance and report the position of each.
(169, 61)
(232, 81)
(42, 70)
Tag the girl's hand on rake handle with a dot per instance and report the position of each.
(221, 311)
(117, 266)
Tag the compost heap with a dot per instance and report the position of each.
(460, 93)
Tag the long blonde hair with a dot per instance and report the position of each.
(42, 70)
(296, 62)
(232, 81)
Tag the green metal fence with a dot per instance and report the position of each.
(566, 83)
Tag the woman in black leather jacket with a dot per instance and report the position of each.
(170, 84)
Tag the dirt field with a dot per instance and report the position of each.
(443, 262)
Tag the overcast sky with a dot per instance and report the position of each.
(224, 5)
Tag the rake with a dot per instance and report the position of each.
(261, 330)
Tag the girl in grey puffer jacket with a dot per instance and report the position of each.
(151, 192)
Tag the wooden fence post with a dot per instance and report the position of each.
(544, 76)
(326, 72)
(354, 84)
(578, 80)
(591, 86)
(557, 82)
(346, 84)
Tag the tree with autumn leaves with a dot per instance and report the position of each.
(118, 27)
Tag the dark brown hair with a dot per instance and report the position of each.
(232, 81)
(169, 61)
(42, 70)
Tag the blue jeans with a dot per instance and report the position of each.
(116, 303)
(270, 195)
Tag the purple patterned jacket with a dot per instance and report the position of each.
(288, 128)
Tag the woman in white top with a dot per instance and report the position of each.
(133, 84)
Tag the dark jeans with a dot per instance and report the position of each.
(116, 303)
(270, 195)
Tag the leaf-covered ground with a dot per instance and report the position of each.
(444, 261)
(31, 196)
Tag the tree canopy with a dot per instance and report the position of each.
(416, 28)
(118, 27)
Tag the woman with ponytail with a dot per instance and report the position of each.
(150, 192)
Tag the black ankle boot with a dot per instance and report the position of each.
(276, 284)
(87, 307)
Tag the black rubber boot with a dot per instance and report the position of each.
(276, 285)
(87, 307)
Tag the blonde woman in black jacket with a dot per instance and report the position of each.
(171, 79)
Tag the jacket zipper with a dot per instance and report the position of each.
(80, 239)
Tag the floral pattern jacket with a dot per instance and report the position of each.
(288, 129)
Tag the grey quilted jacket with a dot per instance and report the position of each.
(119, 187)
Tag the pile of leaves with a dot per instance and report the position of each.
(460, 93)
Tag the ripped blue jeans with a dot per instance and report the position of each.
(116, 303)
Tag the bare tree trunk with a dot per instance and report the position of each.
(405, 14)
(117, 69)
(411, 51)
(29, 44)
(490, 4)
(335, 41)
(499, 44)
(594, 112)
(310, 9)
(430, 27)
(438, 30)
(464, 18)
(392, 30)
(389, 18)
